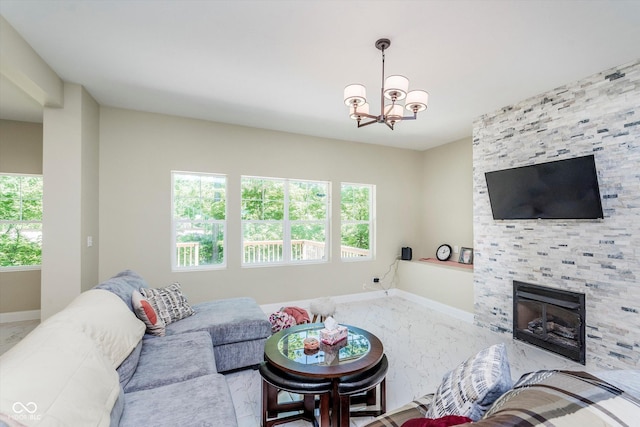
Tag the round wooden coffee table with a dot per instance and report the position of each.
(359, 352)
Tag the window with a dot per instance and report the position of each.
(357, 221)
(284, 221)
(20, 221)
(199, 220)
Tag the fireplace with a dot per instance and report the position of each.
(550, 318)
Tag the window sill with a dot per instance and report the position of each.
(20, 268)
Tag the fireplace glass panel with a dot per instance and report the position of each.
(527, 312)
(563, 326)
(550, 318)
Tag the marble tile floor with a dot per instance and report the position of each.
(11, 333)
(421, 345)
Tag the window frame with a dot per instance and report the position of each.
(287, 224)
(371, 222)
(175, 221)
(31, 267)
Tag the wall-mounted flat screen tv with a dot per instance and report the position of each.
(563, 189)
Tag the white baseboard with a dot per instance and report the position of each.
(19, 316)
(465, 316)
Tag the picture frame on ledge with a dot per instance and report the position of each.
(466, 256)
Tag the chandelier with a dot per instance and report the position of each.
(395, 89)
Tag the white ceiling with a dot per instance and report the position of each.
(283, 65)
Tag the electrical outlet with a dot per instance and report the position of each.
(455, 249)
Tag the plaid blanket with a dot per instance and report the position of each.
(563, 398)
(544, 398)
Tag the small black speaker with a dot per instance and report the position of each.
(406, 254)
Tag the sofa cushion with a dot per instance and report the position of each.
(123, 284)
(228, 321)
(61, 370)
(128, 367)
(101, 315)
(562, 399)
(201, 401)
(474, 385)
(117, 410)
(239, 355)
(167, 360)
(169, 302)
(145, 312)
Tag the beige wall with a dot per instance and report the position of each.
(69, 147)
(139, 150)
(446, 217)
(19, 291)
(20, 147)
(89, 192)
(447, 197)
(447, 285)
(20, 152)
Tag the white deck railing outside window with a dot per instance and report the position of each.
(266, 251)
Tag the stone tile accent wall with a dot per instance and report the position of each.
(599, 115)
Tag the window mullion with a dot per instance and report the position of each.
(21, 197)
(286, 226)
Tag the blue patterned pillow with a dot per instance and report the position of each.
(474, 385)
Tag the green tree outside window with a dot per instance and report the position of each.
(20, 220)
(356, 208)
(199, 219)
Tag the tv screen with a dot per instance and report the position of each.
(563, 189)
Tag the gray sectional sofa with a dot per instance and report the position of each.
(92, 363)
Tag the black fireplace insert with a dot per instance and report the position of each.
(550, 318)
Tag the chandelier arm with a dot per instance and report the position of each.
(367, 123)
(369, 116)
(414, 117)
(390, 125)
